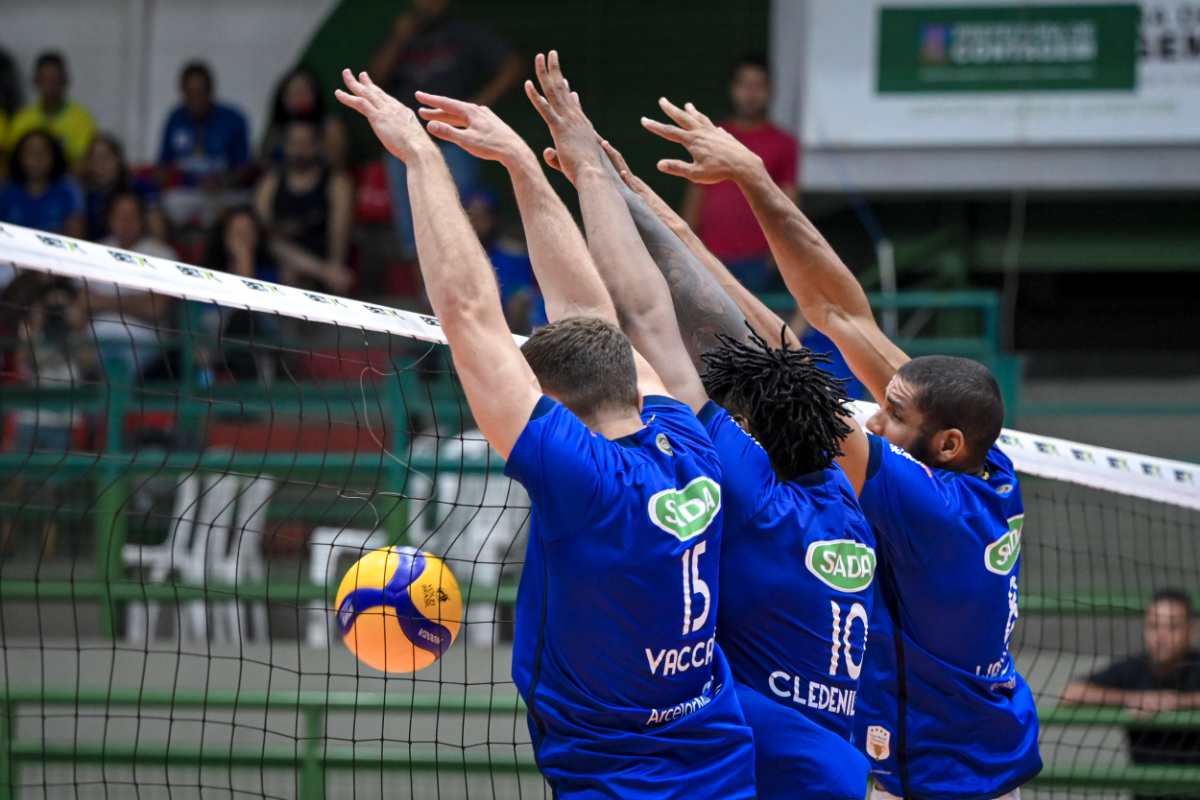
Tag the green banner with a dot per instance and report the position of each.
(1008, 48)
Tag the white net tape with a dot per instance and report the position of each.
(1116, 471)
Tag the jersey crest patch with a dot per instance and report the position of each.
(842, 564)
(687, 512)
(1001, 555)
(879, 742)
(664, 444)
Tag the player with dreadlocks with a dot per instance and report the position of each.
(782, 397)
(943, 711)
(798, 557)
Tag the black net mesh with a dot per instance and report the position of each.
(183, 486)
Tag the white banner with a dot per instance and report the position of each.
(844, 108)
(1113, 470)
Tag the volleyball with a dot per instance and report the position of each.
(399, 609)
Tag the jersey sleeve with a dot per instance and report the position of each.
(569, 471)
(906, 503)
(678, 422)
(747, 477)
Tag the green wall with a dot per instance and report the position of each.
(620, 55)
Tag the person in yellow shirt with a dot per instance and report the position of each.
(66, 120)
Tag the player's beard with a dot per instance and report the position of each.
(921, 451)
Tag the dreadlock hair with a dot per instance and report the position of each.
(795, 407)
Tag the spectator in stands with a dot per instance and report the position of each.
(205, 151)
(299, 97)
(105, 174)
(126, 217)
(1166, 677)
(519, 293)
(432, 50)
(39, 193)
(42, 315)
(124, 321)
(308, 209)
(69, 122)
(238, 244)
(719, 213)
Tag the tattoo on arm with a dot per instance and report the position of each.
(702, 307)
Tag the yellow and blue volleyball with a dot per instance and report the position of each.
(399, 609)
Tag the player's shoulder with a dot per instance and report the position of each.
(676, 420)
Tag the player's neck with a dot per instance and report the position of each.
(614, 426)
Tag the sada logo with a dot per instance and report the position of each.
(1001, 555)
(842, 564)
(686, 512)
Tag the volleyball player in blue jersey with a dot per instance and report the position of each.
(942, 711)
(797, 559)
(628, 694)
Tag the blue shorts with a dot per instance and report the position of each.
(796, 757)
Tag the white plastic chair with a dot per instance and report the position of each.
(477, 517)
(201, 552)
(326, 546)
(235, 555)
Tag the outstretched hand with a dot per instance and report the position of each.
(717, 156)
(393, 122)
(574, 138)
(474, 128)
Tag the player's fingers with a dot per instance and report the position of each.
(370, 90)
(669, 132)
(683, 118)
(459, 107)
(449, 133)
(448, 117)
(357, 103)
(614, 155)
(550, 76)
(698, 114)
(352, 83)
(539, 102)
(551, 156)
(673, 166)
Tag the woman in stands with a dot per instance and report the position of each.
(298, 97)
(105, 174)
(39, 193)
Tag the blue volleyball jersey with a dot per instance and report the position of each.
(942, 712)
(615, 650)
(797, 567)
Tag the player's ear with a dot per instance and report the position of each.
(949, 446)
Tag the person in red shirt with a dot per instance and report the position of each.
(719, 213)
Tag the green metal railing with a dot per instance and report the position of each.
(313, 755)
(981, 310)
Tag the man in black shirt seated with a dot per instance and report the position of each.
(1166, 677)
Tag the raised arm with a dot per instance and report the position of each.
(829, 295)
(639, 292)
(500, 387)
(708, 299)
(559, 254)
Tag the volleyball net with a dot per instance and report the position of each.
(190, 461)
